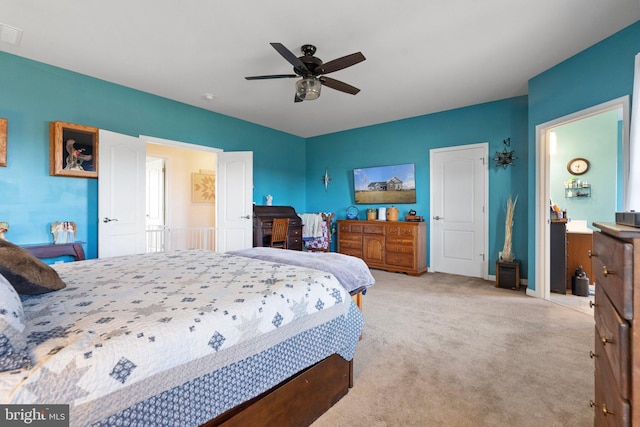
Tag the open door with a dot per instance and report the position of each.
(121, 195)
(235, 201)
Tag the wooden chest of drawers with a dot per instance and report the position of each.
(387, 245)
(615, 258)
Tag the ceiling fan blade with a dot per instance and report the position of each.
(340, 63)
(273, 76)
(289, 56)
(338, 85)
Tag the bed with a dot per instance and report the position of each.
(352, 272)
(185, 338)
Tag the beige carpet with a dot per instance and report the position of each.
(444, 350)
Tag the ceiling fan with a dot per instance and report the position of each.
(313, 70)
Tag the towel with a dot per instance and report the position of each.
(311, 225)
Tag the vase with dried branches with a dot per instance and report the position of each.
(507, 250)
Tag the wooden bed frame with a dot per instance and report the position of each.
(296, 402)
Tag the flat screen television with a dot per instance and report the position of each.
(385, 184)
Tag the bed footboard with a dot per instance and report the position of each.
(296, 402)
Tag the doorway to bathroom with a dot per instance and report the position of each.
(598, 138)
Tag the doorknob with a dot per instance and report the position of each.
(437, 217)
(246, 217)
(108, 219)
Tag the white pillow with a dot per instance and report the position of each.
(13, 344)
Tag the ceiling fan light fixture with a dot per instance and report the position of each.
(308, 88)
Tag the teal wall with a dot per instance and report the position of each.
(409, 141)
(33, 94)
(596, 139)
(596, 75)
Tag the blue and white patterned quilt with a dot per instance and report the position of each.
(126, 329)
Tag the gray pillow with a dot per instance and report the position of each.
(27, 274)
(13, 344)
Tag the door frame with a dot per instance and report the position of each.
(543, 186)
(485, 246)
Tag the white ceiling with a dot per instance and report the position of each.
(423, 56)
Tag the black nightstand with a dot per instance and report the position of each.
(508, 274)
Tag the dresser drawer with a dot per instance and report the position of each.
(613, 271)
(613, 334)
(356, 252)
(349, 228)
(350, 240)
(373, 229)
(398, 248)
(295, 232)
(400, 240)
(401, 230)
(399, 259)
(610, 408)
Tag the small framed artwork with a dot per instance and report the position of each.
(73, 150)
(3, 142)
(203, 188)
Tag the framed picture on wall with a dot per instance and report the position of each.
(3, 142)
(203, 187)
(73, 150)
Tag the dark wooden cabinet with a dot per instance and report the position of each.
(558, 255)
(616, 270)
(263, 220)
(508, 274)
(396, 246)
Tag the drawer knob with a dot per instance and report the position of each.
(592, 404)
(606, 340)
(592, 304)
(592, 354)
(606, 271)
(605, 411)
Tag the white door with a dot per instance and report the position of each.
(155, 192)
(235, 201)
(458, 220)
(121, 195)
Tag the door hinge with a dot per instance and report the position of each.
(482, 255)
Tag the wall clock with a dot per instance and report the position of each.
(578, 166)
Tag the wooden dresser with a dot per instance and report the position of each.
(615, 259)
(386, 245)
(263, 220)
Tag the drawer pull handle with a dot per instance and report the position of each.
(592, 354)
(590, 254)
(606, 411)
(606, 340)
(606, 271)
(592, 304)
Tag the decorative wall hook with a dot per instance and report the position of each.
(505, 158)
(326, 178)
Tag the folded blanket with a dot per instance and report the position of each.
(311, 225)
(351, 272)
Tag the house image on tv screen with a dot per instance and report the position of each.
(394, 184)
(385, 184)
